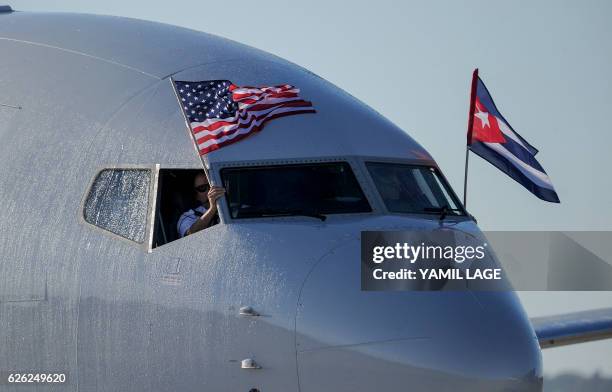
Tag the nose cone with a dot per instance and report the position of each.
(353, 340)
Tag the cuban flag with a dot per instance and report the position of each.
(491, 137)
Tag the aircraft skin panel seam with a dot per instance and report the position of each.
(299, 298)
(118, 110)
(81, 54)
(364, 344)
(233, 60)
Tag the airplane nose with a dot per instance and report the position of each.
(353, 340)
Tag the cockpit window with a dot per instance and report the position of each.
(413, 189)
(177, 204)
(118, 202)
(293, 190)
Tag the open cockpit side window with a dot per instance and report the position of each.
(121, 201)
(177, 205)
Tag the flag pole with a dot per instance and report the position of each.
(195, 144)
(469, 132)
(191, 135)
(465, 176)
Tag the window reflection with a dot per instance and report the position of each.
(413, 189)
(118, 202)
(293, 190)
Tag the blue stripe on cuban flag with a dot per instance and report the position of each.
(493, 139)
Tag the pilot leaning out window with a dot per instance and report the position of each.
(201, 217)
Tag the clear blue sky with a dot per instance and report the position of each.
(548, 65)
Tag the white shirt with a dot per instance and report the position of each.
(187, 219)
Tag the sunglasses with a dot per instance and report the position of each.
(201, 188)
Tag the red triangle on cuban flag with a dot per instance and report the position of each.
(485, 126)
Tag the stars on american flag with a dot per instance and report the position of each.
(202, 101)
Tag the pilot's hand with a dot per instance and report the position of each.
(214, 193)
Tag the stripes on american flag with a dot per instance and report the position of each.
(221, 113)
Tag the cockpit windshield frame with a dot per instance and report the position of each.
(461, 213)
(352, 162)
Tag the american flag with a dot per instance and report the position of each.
(221, 113)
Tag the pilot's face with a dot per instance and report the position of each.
(200, 187)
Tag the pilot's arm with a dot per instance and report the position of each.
(203, 221)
